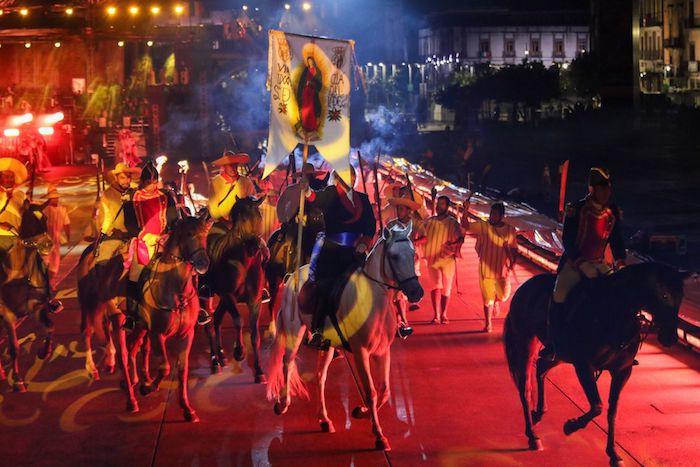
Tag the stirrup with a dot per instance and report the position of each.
(54, 306)
(265, 296)
(404, 331)
(318, 342)
(547, 353)
(129, 323)
(203, 318)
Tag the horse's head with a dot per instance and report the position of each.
(400, 255)
(246, 217)
(33, 228)
(189, 235)
(664, 299)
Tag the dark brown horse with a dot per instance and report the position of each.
(236, 275)
(599, 330)
(102, 298)
(168, 304)
(24, 290)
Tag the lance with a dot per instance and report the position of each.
(300, 222)
(362, 171)
(376, 192)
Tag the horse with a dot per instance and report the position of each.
(168, 305)
(102, 292)
(24, 287)
(600, 331)
(236, 275)
(367, 321)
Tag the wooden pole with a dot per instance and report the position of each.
(562, 190)
(300, 222)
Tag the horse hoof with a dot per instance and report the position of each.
(279, 408)
(94, 375)
(45, 352)
(260, 378)
(535, 444)
(238, 354)
(109, 369)
(191, 416)
(19, 386)
(327, 427)
(360, 412)
(145, 389)
(536, 417)
(132, 406)
(570, 426)
(382, 444)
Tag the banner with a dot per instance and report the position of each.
(309, 81)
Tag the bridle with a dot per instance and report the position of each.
(384, 282)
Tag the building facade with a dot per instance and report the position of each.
(503, 37)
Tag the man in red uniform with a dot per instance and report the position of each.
(590, 225)
(148, 215)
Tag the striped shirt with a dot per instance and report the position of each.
(442, 232)
(270, 223)
(492, 243)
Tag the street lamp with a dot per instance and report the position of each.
(27, 45)
(287, 6)
(134, 10)
(111, 10)
(69, 11)
(149, 43)
(120, 44)
(24, 12)
(57, 44)
(306, 6)
(179, 9)
(245, 7)
(155, 9)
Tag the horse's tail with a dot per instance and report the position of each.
(519, 350)
(91, 313)
(288, 328)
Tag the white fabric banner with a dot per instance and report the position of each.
(309, 81)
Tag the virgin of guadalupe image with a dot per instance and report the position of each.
(309, 99)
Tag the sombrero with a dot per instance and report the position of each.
(230, 158)
(52, 193)
(408, 202)
(122, 168)
(388, 190)
(14, 166)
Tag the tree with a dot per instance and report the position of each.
(584, 75)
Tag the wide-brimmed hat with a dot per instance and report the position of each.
(388, 190)
(15, 166)
(599, 176)
(408, 202)
(231, 158)
(309, 170)
(52, 193)
(122, 168)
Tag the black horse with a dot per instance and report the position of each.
(600, 330)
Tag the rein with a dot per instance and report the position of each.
(383, 282)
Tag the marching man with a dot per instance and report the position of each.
(496, 246)
(58, 224)
(228, 185)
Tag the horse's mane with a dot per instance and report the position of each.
(33, 222)
(180, 228)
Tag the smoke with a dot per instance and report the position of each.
(386, 130)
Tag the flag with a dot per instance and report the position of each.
(309, 82)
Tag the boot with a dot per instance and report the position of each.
(548, 352)
(404, 331)
(317, 321)
(131, 305)
(265, 296)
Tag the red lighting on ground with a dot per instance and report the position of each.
(46, 130)
(11, 132)
(53, 119)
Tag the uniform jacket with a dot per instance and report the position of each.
(341, 216)
(222, 196)
(12, 213)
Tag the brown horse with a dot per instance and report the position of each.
(600, 332)
(367, 320)
(236, 275)
(101, 295)
(24, 288)
(169, 306)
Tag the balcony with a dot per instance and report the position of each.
(673, 43)
(649, 21)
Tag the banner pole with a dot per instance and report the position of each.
(300, 222)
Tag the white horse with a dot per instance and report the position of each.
(366, 319)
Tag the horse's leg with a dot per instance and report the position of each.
(146, 356)
(324, 361)
(47, 350)
(110, 349)
(10, 323)
(122, 357)
(163, 367)
(238, 345)
(384, 369)
(370, 396)
(543, 367)
(619, 379)
(254, 312)
(588, 383)
(183, 366)
(136, 342)
(90, 366)
(217, 348)
(290, 354)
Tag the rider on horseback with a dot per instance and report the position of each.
(590, 225)
(349, 227)
(229, 185)
(148, 215)
(110, 206)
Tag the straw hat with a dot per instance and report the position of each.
(52, 193)
(231, 158)
(14, 166)
(408, 202)
(122, 168)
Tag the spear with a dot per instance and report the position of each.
(362, 171)
(376, 192)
